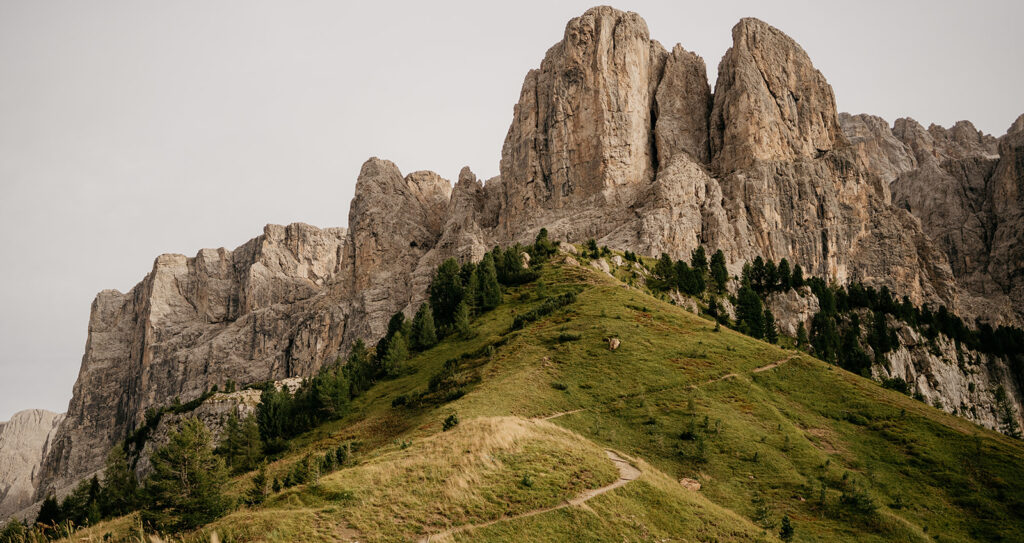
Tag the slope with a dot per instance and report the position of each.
(767, 432)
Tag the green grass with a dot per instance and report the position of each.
(681, 399)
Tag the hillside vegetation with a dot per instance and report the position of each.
(507, 431)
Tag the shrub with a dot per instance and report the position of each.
(451, 422)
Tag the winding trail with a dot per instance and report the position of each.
(627, 474)
(767, 367)
(627, 471)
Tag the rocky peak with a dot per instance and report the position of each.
(770, 102)
(682, 106)
(24, 441)
(1016, 127)
(581, 131)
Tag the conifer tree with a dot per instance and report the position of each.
(718, 271)
(461, 325)
(801, 336)
(749, 314)
(665, 272)
(446, 292)
(699, 260)
(120, 487)
(786, 533)
(785, 281)
(398, 353)
(771, 333)
(798, 276)
(424, 335)
(185, 488)
(490, 290)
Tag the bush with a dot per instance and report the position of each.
(451, 422)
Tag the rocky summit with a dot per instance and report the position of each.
(614, 138)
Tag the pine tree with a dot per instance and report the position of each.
(424, 335)
(185, 488)
(461, 325)
(490, 290)
(49, 513)
(699, 260)
(120, 487)
(798, 276)
(785, 280)
(446, 292)
(665, 272)
(801, 336)
(749, 314)
(771, 333)
(718, 271)
(786, 533)
(685, 279)
(260, 486)
(398, 353)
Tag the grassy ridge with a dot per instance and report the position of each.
(844, 458)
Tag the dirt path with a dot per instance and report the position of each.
(559, 414)
(627, 473)
(775, 364)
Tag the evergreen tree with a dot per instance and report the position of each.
(758, 274)
(801, 336)
(699, 260)
(424, 335)
(1004, 410)
(771, 276)
(242, 447)
(542, 247)
(798, 276)
(686, 279)
(49, 512)
(398, 353)
(718, 271)
(260, 486)
(461, 324)
(824, 337)
(786, 533)
(665, 272)
(771, 333)
(749, 314)
(329, 394)
(785, 281)
(187, 480)
(359, 368)
(490, 290)
(120, 487)
(446, 292)
(395, 324)
(471, 290)
(274, 415)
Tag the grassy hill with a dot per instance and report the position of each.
(767, 432)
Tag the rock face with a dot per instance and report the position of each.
(24, 441)
(770, 102)
(613, 138)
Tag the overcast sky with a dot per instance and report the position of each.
(130, 129)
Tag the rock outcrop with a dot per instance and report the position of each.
(24, 441)
(613, 138)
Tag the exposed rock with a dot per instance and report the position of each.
(214, 413)
(24, 441)
(683, 102)
(690, 484)
(955, 379)
(770, 102)
(601, 264)
(613, 343)
(581, 133)
(614, 139)
(791, 308)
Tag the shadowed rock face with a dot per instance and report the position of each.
(613, 138)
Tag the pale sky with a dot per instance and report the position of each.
(134, 128)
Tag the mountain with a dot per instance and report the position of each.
(617, 139)
(531, 427)
(24, 441)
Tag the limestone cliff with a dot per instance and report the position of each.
(613, 138)
(24, 441)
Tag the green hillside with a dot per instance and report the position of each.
(542, 410)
